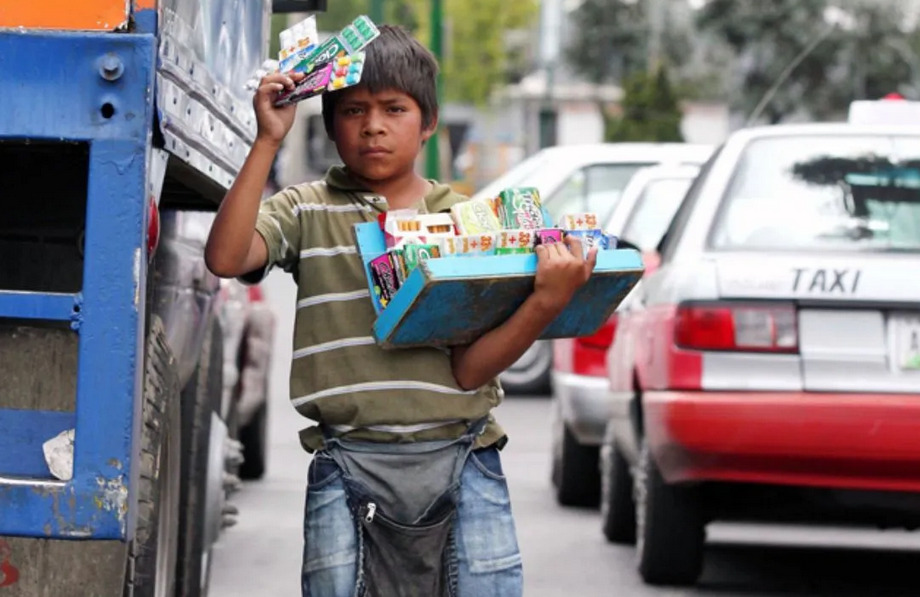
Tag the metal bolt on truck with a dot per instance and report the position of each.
(122, 124)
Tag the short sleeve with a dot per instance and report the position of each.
(278, 223)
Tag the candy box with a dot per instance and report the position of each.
(451, 301)
(473, 245)
(548, 236)
(521, 208)
(590, 239)
(415, 254)
(385, 281)
(520, 240)
(476, 216)
(297, 42)
(583, 221)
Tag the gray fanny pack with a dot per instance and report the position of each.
(404, 499)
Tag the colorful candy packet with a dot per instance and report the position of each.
(582, 221)
(385, 279)
(344, 72)
(468, 245)
(353, 38)
(475, 216)
(297, 42)
(520, 208)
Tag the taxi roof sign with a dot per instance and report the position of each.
(893, 109)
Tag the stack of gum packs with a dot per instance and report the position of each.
(512, 223)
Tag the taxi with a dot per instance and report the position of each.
(769, 368)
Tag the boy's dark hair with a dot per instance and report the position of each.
(395, 60)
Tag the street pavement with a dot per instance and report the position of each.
(564, 551)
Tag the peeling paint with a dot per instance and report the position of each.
(113, 498)
(115, 463)
(137, 278)
(59, 455)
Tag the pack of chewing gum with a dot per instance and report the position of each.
(445, 279)
(334, 64)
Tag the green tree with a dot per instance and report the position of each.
(650, 110)
(616, 38)
(612, 40)
(860, 52)
(477, 57)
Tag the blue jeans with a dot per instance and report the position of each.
(488, 561)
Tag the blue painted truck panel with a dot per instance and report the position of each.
(59, 87)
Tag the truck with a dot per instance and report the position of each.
(122, 125)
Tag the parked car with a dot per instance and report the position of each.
(581, 403)
(248, 325)
(770, 367)
(573, 179)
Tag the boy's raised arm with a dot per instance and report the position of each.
(561, 270)
(234, 247)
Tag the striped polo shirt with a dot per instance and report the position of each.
(340, 377)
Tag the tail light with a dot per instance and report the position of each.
(153, 227)
(737, 327)
(589, 353)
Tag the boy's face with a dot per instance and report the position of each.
(379, 135)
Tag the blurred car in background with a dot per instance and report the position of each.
(248, 325)
(581, 402)
(770, 367)
(579, 179)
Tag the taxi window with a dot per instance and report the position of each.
(653, 211)
(668, 243)
(825, 192)
(594, 188)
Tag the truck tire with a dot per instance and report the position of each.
(575, 473)
(254, 437)
(618, 510)
(670, 529)
(151, 566)
(200, 398)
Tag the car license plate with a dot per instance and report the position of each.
(907, 339)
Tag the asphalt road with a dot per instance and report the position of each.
(563, 549)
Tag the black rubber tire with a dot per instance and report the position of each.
(200, 399)
(575, 473)
(618, 509)
(158, 487)
(671, 532)
(254, 438)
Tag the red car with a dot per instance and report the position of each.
(769, 369)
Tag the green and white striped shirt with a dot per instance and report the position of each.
(339, 376)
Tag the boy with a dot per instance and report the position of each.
(406, 494)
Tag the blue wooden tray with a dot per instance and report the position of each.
(454, 300)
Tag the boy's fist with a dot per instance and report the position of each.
(274, 123)
(562, 269)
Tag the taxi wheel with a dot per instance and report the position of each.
(618, 511)
(574, 468)
(670, 529)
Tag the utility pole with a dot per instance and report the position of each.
(433, 154)
(656, 19)
(550, 36)
(376, 11)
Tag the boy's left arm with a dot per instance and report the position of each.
(561, 270)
